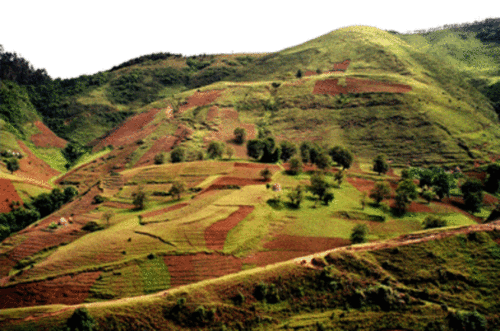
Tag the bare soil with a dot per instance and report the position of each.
(215, 235)
(200, 99)
(31, 167)
(355, 85)
(46, 138)
(8, 194)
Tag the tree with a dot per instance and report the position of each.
(342, 156)
(177, 189)
(339, 177)
(442, 183)
(380, 164)
(255, 148)
(288, 150)
(69, 193)
(323, 161)
(472, 191)
(178, 154)
(239, 135)
(72, 152)
(139, 198)
(492, 183)
(428, 195)
(359, 233)
(319, 185)
(81, 320)
(107, 216)
(266, 174)
(295, 166)
(216, 149)
(405, 193)
(159, 158)
(298, 74)
(328, 197)
(230, 151)
(380, 192)
(432, 221)
(304, 151)
(12, 165)
(296, 196)
(271, 152)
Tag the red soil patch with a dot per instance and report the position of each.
(200, 99)
(132, 130)
(489, 200)
(165, 210)
(361, 184)
(68, 290)
(118, 205)
(310, 73)
(8, 194)
(355, 85)
(32, 167)
(261, 259)
(163, 144)
(187, 269)
(479, 175)
(303, 244)
(213, 113)
(414, 207)
(341, 66)
(215, 235)
(47, 138)
(222, 182)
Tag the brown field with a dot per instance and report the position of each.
(47, 138)
(8, 194)
(200, 99)
(31, 167)
(215, 235)
(355, 85)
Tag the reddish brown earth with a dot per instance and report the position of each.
(200, 99)
(213, 113)
(132, 130)
(222, 182)
(165, 210)
(261, 259)
(47, 138)
(34, 168)
(119, 205)
(68, 290)
(215, 235)
(361, 184)
(414, 207)
(355, 85)
(187, 269)
(302, 244)
(341, 66)
(310, 73)
(8, 194)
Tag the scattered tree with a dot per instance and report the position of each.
(319, 186)
(380, 164)
(178, 154)
(342, 156)
(177, 189)
(323, 161)
(296, 196)
(216, 149)
(255, 148)
(328, 197)
(380, 192)
(230, 152)
(159, 158)
(69, 193)
(492, 183)
(239, 135)
(139, 198)
(406, 192)
(472, 191)
(296, 165)
(72, 152)
(442, 183)
(359, 233)
(107, 216)
(12, 165)
(433, 221)
(298, 74)
(81, 320)
(266, 174)
(288, 150)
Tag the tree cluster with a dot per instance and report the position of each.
(41, 206)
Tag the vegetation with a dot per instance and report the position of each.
(433, 221)
(177, 189)
(405, 193)
(240, 135)
(380, 192)
(178, 154)
(12, 165)
(139, 198)
(216, 149)
(295, 166)
(359, 234)
(380, 164)
(472, 191)
(341, 156)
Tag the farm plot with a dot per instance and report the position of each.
(34, 169)
(356, 85)
(8, 194)
(215, 235)
(46, 138)
(200, 99)
(67, 290)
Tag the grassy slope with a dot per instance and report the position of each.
(421, 283)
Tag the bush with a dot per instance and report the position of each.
(380, 164)
(178, 154)
(266, 174)
(81, 320)
(432, 221)
(380, 192)
(98, 199)
(359, 234)
(216, 149)
(159, 158)
(92, 226)
(467, 321)
(52, 226)
(239, 135)
(295, 166)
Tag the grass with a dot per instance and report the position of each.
(27, 191)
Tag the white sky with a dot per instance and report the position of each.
(71, 38)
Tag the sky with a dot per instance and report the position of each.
(72, 38)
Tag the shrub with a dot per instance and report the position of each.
(159, 158)
(266, 174)
(81, 320)
(295, 166)
(239, 135)
(432, 221)
(216, 149)
(428, 195)
(380, 192)
(92, 226)
(239, 299)
(139, 199)
(467, 321)
(472, 190)
(359, 233)
(178, 154)
(177, 189)
(52, 226)
(380, 164)
(98, 199)
(260, 291)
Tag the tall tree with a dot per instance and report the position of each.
(380, 164)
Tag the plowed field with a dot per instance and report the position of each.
(355, 85)
(215, 235)
(8, 194)
(31, 167)
(200, 99)
(47, 138)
